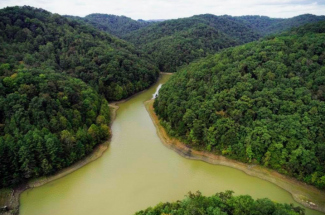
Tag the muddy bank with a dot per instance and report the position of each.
(304, 194)
(10, 197)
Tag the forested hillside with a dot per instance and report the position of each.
(265, 25)
(50, 118)
(260, 103)
(47, 122)
(116, 25)
(174, 43)
(234, 29)
(39, 39)
(223, 203)
(182, 48)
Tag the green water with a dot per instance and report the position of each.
(138, 171)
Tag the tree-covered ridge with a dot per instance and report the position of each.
(40, 39)
(115, 25)
(186, 46)
(174, 43)
(223, 203)
(233, 28)
(47, 122)
(262, 102)
(265, 25)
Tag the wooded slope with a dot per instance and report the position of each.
(49, 41)
(262, 102)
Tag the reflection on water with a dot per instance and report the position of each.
(157, 91)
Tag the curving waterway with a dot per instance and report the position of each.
(138, 171)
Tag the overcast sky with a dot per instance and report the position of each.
(169, 9)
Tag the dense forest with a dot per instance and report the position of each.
(115, 25)
(223, 203)
(174, 43)
(234, 29)
(260, 103)
(265, 25)
(50, 118)
(48, 41)
(47, 122)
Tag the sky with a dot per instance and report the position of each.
(171, 9)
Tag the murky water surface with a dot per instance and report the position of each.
(138, 171)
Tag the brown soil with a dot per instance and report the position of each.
(305, 194)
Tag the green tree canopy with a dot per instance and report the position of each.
(261, 102)
(44, 122)
(223, 203)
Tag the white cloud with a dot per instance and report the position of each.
(168, 9)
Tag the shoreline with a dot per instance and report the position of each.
(13, 194)
(307, 195)
(10, 197)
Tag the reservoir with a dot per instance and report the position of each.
(138, 171)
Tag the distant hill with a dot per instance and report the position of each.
(173, 43)
(118, 26)
(224, 24)
(115, 25)
(266, 25)
(155, 20)
(260, 103)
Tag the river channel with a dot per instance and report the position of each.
(138, 171)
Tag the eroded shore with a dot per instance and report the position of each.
(302, 193)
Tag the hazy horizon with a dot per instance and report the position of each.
(173, 9)
(188, 16)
